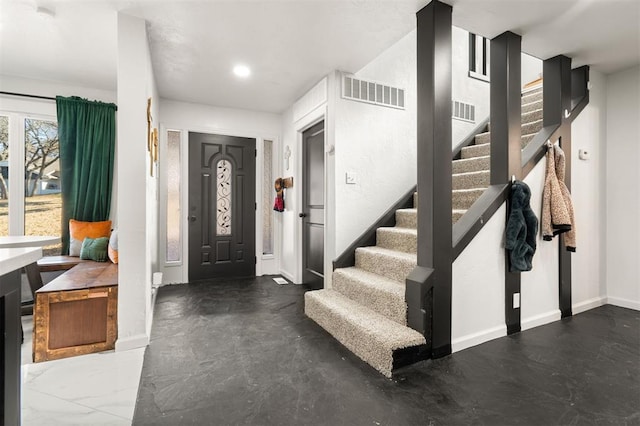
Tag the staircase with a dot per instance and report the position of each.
(471, 171)
(366, 309)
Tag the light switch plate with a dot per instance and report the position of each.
(516, 300)
(351, 178)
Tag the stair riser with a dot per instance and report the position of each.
(533, 106)
(531, 97)
(388, 304)
(470, 181)
(473, 151)
(471, 165)
(530, 128)
(464, 200)
(528, 116)
(350, 335)
(387, 266)
(526, 139)
(455, 216)
(404, 242)
(527, 129)
(407, 219)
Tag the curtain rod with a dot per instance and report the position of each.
(24, 95)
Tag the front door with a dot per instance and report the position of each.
(222, 189)
(313, 206)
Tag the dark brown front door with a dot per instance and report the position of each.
(221, 206)
(313, 206)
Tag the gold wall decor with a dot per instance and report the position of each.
(149, 120)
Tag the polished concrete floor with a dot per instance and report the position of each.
(243, 352)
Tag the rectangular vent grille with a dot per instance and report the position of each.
(372, 93)
(464, 112)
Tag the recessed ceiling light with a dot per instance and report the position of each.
(242, 71)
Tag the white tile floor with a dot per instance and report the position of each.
(96, 389)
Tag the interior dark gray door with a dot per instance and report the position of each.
(221, 206)
(313, 206)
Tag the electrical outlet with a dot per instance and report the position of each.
(516, 300)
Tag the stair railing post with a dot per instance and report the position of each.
(506, 137)
(428, 291)
(556, 103)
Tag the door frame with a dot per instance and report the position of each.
(311, 119)
(178, 272)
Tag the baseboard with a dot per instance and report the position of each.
(541, 319)
(475, 339)
(624, 303)
(287, 276)
(133, 342)
(588, 304)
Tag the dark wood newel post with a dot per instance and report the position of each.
(506, 134)
(556, 104)
(428, 291)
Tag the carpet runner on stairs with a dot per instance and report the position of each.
(471, 171)
(365, 309)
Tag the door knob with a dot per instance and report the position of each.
(192, 218)
(302, 215)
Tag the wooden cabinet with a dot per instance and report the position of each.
(76, 313)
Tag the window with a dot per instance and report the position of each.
(35, 206)
(174, 243)
(4, 175)
(478, 57)
(267, 199)
(43, 202)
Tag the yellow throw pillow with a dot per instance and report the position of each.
(79, 230)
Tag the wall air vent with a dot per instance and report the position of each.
(372, 92)
(463, 111)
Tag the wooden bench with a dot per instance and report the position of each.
(76, 313)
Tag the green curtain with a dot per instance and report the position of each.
(87, 134)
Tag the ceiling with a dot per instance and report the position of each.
(288, 44)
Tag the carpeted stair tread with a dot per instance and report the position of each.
(407, 218)
(526, 139)
(531, 116)
(397, 238)
(471, 180)
(456, 214)
(482, 138)
(533, 127)
(369, 335)
(532, 96)
(462, 199)
(378, 293)
(475, 164)
(531, 106)
(473, 151)
(392, 264)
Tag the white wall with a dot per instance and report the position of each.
(377, 143)
(623, 188)
(589, 199)
(311, 108)
(137, 202)
(477, 304)
(227, 121)
(47, 88)
(464, 88)
(539, 303)
(478, 277)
